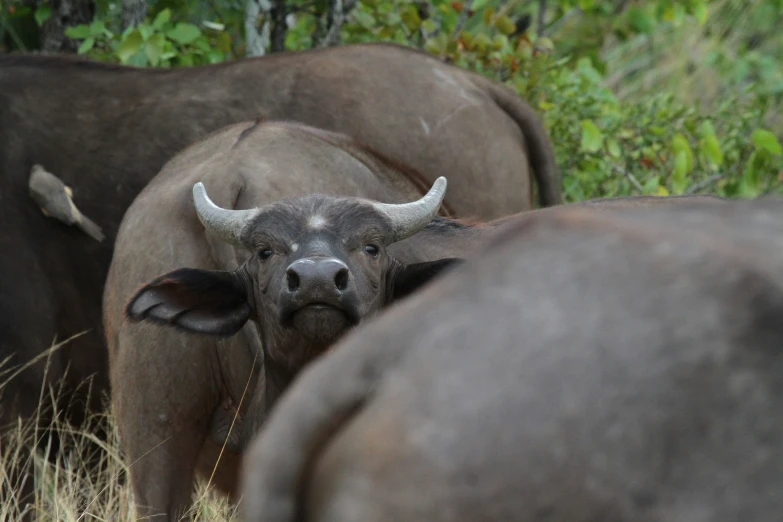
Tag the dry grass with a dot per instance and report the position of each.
(85, 481)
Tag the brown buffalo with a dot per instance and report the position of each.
(622, 365)
(248, 239)
(106, 130)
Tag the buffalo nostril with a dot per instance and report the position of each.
(341, 279)
(292, 278)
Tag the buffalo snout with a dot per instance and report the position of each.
(318, 298)
(311, 277)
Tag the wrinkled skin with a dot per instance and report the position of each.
(621, 365)
(106, 130)
(213, 327)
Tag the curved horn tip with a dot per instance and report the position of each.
(199, 189)
(439, 187)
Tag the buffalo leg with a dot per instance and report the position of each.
(162, 480)
(163, 400)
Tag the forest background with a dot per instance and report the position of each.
(640, 97)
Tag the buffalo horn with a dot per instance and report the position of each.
(226, 224)
(409, 218)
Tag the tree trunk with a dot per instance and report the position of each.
(541, 18)
(256, 42)
(65, 13)
(133, 12)
(279, 26)
(271, 37)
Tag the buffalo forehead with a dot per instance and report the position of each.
(291, 219)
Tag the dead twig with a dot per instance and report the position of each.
(703, 183)
(635, 182)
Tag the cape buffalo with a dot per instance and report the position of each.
(280, 254)
(106, 130)
(618, 366)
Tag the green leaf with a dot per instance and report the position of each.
(592, 138)
(410, 17)
(153, 48)
(710, 148)
(436, 44)
(215, 56)
(364, 19)
(749, 183)
(613, 147)
(640, 21)
(486, 16)
(428, 26)
(706, 129)
(680, 144)
(679, 180)
(184, 33)
(97, 28)
(505, 25)
(700, 13)
(223, 42)
(584, 5)
(763, 139)
(146, 31)
(481, 42)
(42, 14)
(675, 14)
(651, 185)
(86, 45)
(130, 45)
(77, 32)
(161, 19)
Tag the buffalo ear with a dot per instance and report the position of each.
(409, 278)
(200, 301)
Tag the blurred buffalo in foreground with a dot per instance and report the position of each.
(621, 365)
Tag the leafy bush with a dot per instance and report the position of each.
(605, 146)
(159, 43)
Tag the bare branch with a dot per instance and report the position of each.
(635, 182)
(463, 17)
(541, 18)
(335, 18)
(704, 183)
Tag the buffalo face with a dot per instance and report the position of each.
(318, 266)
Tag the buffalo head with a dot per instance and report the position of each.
(318, 265)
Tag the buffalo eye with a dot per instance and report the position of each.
(372, 250)
(265, 254)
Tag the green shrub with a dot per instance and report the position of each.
(160, 42)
